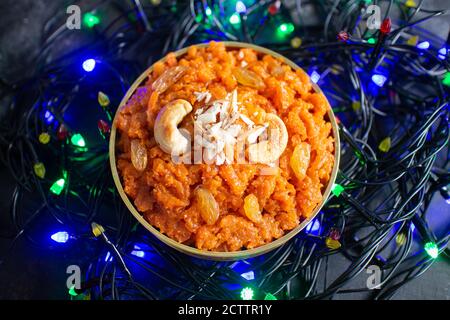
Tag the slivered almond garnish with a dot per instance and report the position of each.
(234, 102)
(255, 133)
(200, 96)
(234, 130)
(206, 118)
(220, 125)
(199, 111)
(247, 120)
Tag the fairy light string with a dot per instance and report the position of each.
(387, 178)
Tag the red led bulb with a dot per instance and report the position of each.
(274, 8)
(386, 26)
(104, 127)
(343, 36)
(334, 234)
(62, 133)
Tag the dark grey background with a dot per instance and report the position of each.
(34, 273)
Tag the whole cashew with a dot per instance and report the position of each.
(167, 134)
(269, 151)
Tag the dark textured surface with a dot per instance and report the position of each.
(36, 273)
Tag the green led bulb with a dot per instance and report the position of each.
(91, 20)
(371, 41)
(446, 80)
(247, 293)
(58, 186)
(78, 140)
(72, 291)
(270, 296)
(337, 189)
(286, 28)
(432, 249)
(208, 11)
(235, 18)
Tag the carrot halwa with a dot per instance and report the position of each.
(229, 95)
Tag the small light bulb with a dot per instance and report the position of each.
(240, 7)
(296, 42)
(286, 28)
(332, 243)
(270, 296)
(379, 79)
(442, 53)
(247, 293)
(58, 186)
(89, 65)
(235, 18)
(337, 189)
(91, 20)
(248, 275)
(446, 79)
(108, 257)
(410, 3)
(343, 36)
(208, 11)
(78, 140)
(432, 249)
(423, 45)
(73, 292)
(137, 253)
(49, 117)
(44, 138)
(371, 41)
(60, 237)
(412, 41)
(62, 132)
(39, 170)
(103, 127)
(315, 77)
(103, 99)
(356, 105)
(400, 239)
(385, 145)
(97, 229)
(313, 227)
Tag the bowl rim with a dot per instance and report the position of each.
(217, 255)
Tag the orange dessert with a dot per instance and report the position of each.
(196, 150)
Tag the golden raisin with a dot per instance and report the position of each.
(248, 78)
(168, 78)
(207, 205)
(251, 208)
(138, 155)
(300, 160)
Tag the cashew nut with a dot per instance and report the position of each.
(167, 134)
(269, 151)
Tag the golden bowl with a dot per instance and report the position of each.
(213, 255)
